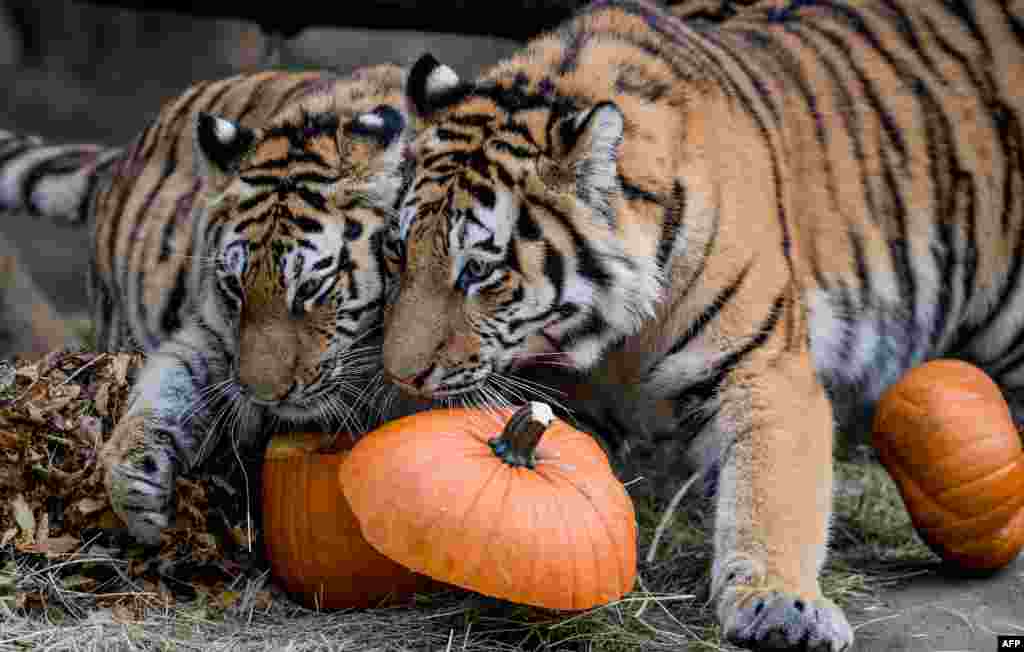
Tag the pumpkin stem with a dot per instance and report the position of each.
(518, 441)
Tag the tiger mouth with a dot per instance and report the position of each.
(547, 355)
(457, 390)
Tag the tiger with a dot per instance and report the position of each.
(30, 324)
(736, 234)
(237, 242)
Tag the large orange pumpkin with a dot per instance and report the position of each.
(524, 508)
(945, 435)
(312, 540)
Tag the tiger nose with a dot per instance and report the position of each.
(267, 392)
(267, 376)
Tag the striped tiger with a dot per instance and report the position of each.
(237, 241)
(738, 234)
(30, 325)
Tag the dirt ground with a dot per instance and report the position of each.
(97, 75)
(945, 614)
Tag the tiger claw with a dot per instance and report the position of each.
(140, 479)
(775, 620)
(758, 614)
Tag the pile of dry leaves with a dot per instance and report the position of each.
(58, 534)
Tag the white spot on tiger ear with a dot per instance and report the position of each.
(580, 117)
(405, 217)
(606, 127)
(224, 130)
(596, 153)
(371, 120)
(441, 79)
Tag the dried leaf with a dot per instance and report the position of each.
(54, 546)
(56, 420)
(102, 399)
(30, 371)
(89, 505)
(23, 515)
(122, 613)
(120, 364)
(35, 414)
(263, 600)
(65, 393)
(79, 583)
(11, 479)
(91, 431)
(228, 599)
(241, 537)
(8, 375)
(43, 527)
(108, 520)
(8, 577)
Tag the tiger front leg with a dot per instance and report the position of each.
(773, 510)
(161, 433)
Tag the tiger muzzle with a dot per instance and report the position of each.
(267, 361)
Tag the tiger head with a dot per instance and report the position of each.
(294, 225)
(508, 249)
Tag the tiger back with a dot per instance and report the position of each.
(736, 233)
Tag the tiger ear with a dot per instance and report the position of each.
(219, 145)
(587, 144)
(383, 125)
(428, 83)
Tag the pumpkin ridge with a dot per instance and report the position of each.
(909, 485)
(531, 521)
(585, 491)
(609, 537)
(539, 563)
(996, 476)
(505, 475)
(623, 573)
(556, 475)
(460, 524)
(968, 522)
(571, 540)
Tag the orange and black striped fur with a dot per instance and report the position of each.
(737, 233)
(237, 241)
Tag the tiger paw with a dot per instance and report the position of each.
(139, 473)
(758, 615)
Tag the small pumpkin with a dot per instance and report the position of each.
(312, 540)
(945, 435)
(518, 506)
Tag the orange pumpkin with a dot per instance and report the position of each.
(530, 513)
(312, 540)
(945, 435)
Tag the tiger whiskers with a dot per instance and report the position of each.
(350, 377)
(547, 359)
(333, 411)
(245, 473)
(525, 390)
(213, 427)
(371, 397)
(205, 397)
